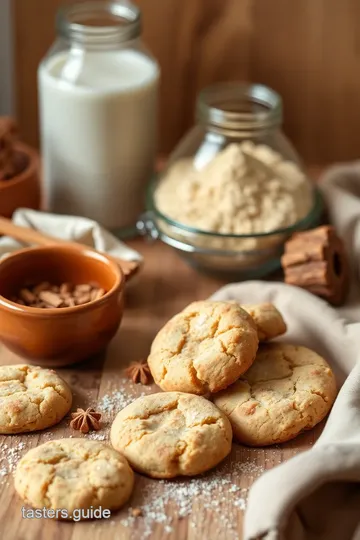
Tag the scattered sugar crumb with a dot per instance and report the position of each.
(240, 503)
(112, 403)
(210, 492)
(9, 459)
(249, 468)
(97, 436)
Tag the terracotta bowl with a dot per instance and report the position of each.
(58, 337)
(23, 190)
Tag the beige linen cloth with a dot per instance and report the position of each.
(72, 228)
(316, 494)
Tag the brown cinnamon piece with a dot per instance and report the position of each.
(83, 298)
(27, 296)
(43, 286)
(69, 302)
(50, 298)
(316, 260)
(55, 289)
(66, 289)
(44, 295)
(84, 288)
(96, 293)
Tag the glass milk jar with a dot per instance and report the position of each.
(98, 91)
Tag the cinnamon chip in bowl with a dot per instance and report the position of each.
(45, 295)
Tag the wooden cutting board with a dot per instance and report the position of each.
(215, 503)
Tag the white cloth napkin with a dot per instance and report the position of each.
(72, 228)
(316, 495)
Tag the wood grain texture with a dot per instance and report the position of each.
(308, 50)
(158, 292)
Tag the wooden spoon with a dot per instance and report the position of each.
(31, 236)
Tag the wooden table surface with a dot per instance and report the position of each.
(164, 286)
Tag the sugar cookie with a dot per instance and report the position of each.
(204, 348)
(287, 390)
(171, 434)
(73, 474)
(31, 398)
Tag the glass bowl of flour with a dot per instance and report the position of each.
(234, 189)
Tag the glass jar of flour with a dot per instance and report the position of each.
(234, 189)
(235, 172)
(98, 91)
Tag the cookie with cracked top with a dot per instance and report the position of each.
(31, 398)
(73, 474)
(172, 434)
(287, 390)
(204, 348)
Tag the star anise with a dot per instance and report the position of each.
(85, 420)
(139, 372)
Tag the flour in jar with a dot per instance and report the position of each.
(245, 189)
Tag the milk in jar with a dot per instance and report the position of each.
(98, 92)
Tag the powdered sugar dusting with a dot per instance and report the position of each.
(94, 436)
(115, 402)
(216, 492)
(9, 457)
(112, 403)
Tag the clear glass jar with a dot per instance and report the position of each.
(98, 89)
(229, 113)
(234, 188)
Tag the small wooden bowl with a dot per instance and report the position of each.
(23, 190)
(62, 336)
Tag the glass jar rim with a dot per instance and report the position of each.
(239, 107)
(95, 22)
